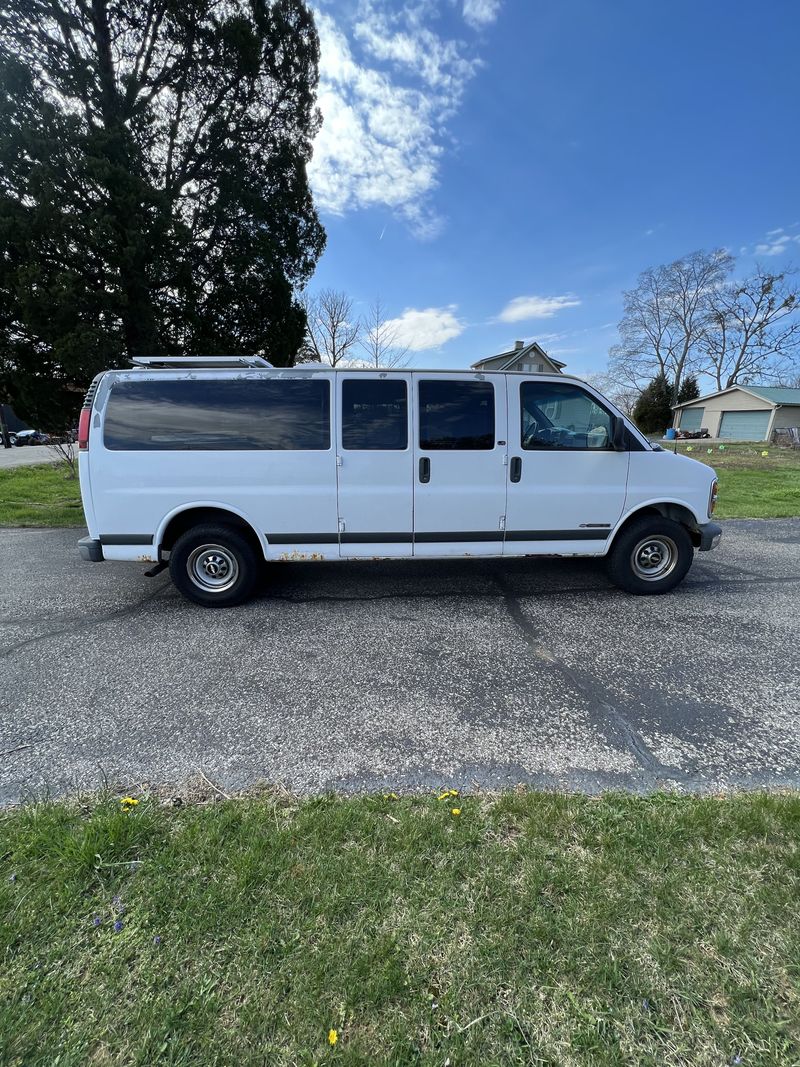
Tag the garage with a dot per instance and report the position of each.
(744, 425)
(741, 412)
(692, 419)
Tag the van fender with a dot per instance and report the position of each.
(678, 510)
(218, 506)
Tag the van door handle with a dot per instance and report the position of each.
(424, 469)
(515, 472)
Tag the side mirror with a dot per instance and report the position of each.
(618, 434)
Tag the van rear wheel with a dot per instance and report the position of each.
(214, 565)
(651, 556)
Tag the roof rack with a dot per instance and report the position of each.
(199, 362)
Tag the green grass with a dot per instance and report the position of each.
(41, 495)
(529, 929)
(751, 485)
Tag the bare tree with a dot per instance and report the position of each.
(64, 451)
(379, 341)
(754, 333)
(623, 393)
(666, 318)
(331, 328)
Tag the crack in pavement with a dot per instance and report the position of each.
(610, 591)
(633, 740)
(78, 625)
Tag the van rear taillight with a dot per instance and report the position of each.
(83, 428)
(85, 419)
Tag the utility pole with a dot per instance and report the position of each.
(4, 427)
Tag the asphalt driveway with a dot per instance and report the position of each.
(403, 675)
(27, 456)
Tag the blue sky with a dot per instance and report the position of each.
(503, 169)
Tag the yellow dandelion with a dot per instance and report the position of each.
(455, 811)
(333, 1037)
(765, 453)
(129, 802)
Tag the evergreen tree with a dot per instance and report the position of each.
(689, 390)
(653, 411)
(154, 197)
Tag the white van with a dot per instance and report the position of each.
(211, 466)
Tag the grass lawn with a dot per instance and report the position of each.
(39, 496)
(751, 485)
(528, 929)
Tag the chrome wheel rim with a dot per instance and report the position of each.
(212, 568)
(654, 558)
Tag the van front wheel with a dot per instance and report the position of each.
(214, 566)
(651, 556)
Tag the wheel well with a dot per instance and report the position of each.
(185, 520)
(676, 512)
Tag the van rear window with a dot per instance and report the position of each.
(218, 414)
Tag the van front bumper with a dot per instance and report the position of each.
(710, 534)
(91, 549)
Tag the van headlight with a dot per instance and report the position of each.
(712, 497)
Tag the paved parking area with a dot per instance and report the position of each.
(25, 457)
(403, 675)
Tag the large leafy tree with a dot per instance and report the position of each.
(153, 189)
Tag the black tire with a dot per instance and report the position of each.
(214, 565)
(650, 556)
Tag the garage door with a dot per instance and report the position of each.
(744, 425)
(692, 418)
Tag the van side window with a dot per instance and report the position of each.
(374, 414)
(559, 417)
(456, 415)
(218, 414)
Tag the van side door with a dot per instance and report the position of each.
(566, 483)
(459, 470)
(374, 456)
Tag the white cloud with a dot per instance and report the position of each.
(418, 329)
(774, 247)
(775, 243)
(415, 49)
(525, 308)
(388, 85)
(480, 12)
